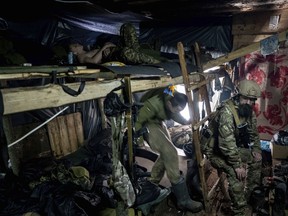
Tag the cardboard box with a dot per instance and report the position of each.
(278, 151)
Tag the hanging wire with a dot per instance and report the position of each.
(32, 131)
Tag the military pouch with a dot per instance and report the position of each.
(206, 132)
(244, 139)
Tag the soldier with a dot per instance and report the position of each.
(237, 145)
(94, 56)
(129, 50)
(160, 105)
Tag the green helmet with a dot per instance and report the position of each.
(249, 88)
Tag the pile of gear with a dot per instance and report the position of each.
(273, 196)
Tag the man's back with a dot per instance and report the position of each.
(151, 93)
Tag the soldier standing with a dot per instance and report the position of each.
(160, 105)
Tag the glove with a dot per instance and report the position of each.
(240, 173)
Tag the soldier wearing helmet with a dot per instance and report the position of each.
(236, 150)
(249, 88)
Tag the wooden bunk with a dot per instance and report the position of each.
(30, 98)
(99, 82)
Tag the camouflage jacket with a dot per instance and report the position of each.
(154, 110)
(230, 138)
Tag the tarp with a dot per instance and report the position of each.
(61, 21)
(212, 33)
(56, 22)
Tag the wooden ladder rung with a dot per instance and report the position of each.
(198, 85)
(201, 122)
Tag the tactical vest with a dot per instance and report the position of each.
(209, 133)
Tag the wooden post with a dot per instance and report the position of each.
(129, 122)
(195, 118)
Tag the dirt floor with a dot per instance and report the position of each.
(167, 207)
(219, 205)
(219, 202)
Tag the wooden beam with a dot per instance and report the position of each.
(23, 99)
(39, 69)
(239, 53)
(245, 40)
(30, 75)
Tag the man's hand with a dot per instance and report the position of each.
(108, 45)
(240, 173)
(257, 156)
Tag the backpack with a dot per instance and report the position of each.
(113, 105)
(209, 133)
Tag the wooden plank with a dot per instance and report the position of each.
(29, 75)
(54, 138)
(258, 22)
(239, 53)
(249, 38)
(245, 40)
(195, 116)
(30, 98)
(71, 131)
(65, 134)
(39, 69)
(79, 129)
(23, 99)
(203, 89)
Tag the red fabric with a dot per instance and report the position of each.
(271, 73)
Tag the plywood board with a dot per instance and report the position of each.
(65, 134)
(257, 23)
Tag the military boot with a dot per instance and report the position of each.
(146, 207)
(184, 202)
(149, 195)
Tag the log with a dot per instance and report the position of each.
(10, 75)
(39, 69)
(23, 99)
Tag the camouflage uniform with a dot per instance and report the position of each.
(230, 153)
(129, 50)
(152, 115)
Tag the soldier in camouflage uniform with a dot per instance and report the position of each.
(238, 146)
(160, 105)
(129, 50)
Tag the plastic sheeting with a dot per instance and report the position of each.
(85, 22)
(60, 21)
(211, 33)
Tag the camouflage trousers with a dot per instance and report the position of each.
(160, 141)
(132, 56)
(240, 191)
(130, 51)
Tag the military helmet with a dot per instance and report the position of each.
(249, 88)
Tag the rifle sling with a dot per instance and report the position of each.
(234, 112)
